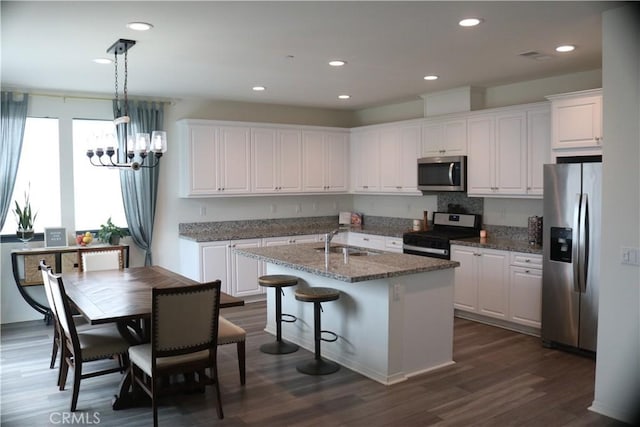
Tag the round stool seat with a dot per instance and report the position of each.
(317, 294)
(277, 280)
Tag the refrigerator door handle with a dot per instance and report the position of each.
(583, 256)
(575, 248)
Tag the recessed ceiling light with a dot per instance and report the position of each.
(337, 63)
(431, 77)
(470, 22)
(344, 96)
(259, 88)
(139, 26)
(565, 48)
(103, 61)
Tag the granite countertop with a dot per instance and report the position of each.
(310, 257)
(500, 244)
(264, 230)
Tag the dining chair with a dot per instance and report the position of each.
(81, 346)
(96, 259)
(229, 333)
(184, 337)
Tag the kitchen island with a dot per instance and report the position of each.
(394, 317)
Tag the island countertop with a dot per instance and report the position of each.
(310, 257)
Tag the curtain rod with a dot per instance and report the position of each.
(87, 97)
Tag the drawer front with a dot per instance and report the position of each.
(368, 241)
(526, 260)
(393, 244)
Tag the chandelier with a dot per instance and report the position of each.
(140, 150)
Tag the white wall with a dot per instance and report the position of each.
(617, 388)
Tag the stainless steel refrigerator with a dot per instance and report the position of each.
(571, 249)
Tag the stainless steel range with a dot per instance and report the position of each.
(435, 243)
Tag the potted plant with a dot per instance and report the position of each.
(111, 233)
(25, 218)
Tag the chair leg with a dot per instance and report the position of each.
(241, 361)
(154, 401)
(54, 350)
(64, 369)
(216, 384)
(77, 376)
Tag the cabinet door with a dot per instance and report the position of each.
(337, 160)
(577, 122)
(201, 172)
(511, 153)
(314, 161)
(433, 139)
(390, 157)
(409, 148)
(289, 171)
(369, 241)
(466, 278)
(525, 296)
(366, 158)
(245, 271)
(493, 284)
(264, 160)
(445, 138)
(215, 264)
(538, 148)
(481, 162)
(235, 148)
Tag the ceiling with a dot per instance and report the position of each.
(220, 50)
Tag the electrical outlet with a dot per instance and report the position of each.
(298, 208)
(273, 208)
(203, 211)
(630, 256)
(397, 291)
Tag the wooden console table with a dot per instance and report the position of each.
(26, 271)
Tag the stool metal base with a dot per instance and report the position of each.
(278, 347)
(317, 367)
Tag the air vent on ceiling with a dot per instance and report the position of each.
(536, 56)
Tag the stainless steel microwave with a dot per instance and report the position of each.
(442, 173)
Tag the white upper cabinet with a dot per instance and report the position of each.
(384, 159)
(507, 148)
(276, 161)
(217, 160)
(444, 137)
(365, 161)
(325, 160)
(577, 119)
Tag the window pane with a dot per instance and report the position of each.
(97, 190)
(39, 170)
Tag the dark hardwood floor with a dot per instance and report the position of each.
(501, 378)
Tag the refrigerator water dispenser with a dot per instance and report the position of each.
(561, 240)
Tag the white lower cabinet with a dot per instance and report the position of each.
(481, 281)
(498, 284)
(525, 290)
(244, 270)
(369, 241)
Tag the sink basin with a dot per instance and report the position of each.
(352, 251)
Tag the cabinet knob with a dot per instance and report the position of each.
(527, 271)
(399, 187)
(527, 260)
(366, 239)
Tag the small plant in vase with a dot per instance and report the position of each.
(111, 233)
(25, 218)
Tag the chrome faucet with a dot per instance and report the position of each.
(327, 239)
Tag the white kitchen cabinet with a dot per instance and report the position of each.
(481, 281)
(276, 160)
(365, 161)
(244, 270)
(216, 159)
(289, 240)
(576, 120)
(444, 137)
(393, 244)
(208, 261)
(399, 152)
(525, 289)
(369, 241)
(538, 148)
(325, 160)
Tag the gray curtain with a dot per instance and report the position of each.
(13, 114)
(140, 188)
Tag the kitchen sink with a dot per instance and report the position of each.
(351, 250)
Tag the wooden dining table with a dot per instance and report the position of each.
(123, 297)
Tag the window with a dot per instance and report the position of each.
(98, 195)
(38, 173)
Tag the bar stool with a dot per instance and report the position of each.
(279, 281)
(317, 295)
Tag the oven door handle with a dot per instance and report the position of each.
(426, 250)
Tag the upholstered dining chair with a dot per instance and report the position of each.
(184, 337)
(79, 347)
(230, 333)
(79, 321)
(96, 259)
